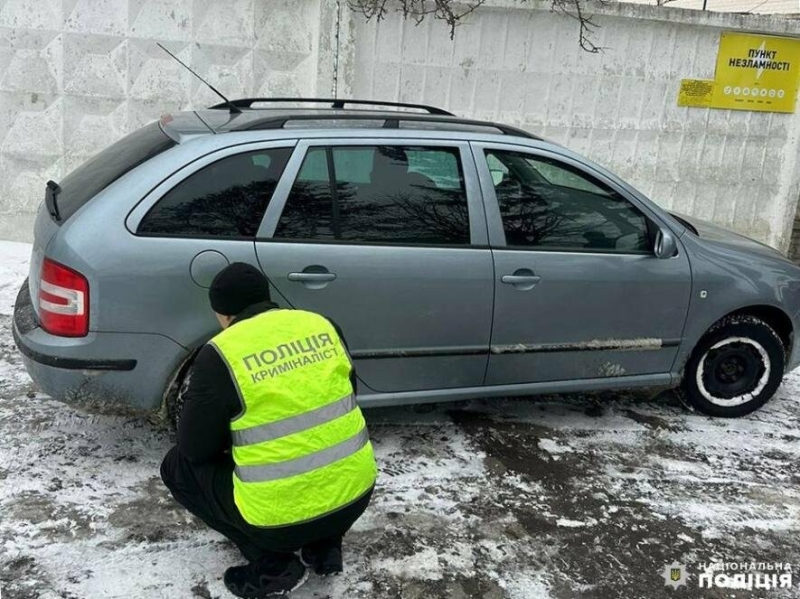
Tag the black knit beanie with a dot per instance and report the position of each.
(237, 287)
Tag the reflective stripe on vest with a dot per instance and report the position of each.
(258, 474)
(295, 424)
(300, 444)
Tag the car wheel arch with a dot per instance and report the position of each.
(775, 317)
(772, 315)
(170, 407)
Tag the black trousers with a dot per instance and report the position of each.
(206, 490)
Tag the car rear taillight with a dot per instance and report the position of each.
(63, 300)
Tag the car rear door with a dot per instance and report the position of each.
(387, 239)
(190, 226)
(579, 293)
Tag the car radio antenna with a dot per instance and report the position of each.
(233, 108)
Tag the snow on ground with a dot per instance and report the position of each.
(14, 258)
(556, 497)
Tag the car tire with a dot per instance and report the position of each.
(735, 369)
(174, 396)
(175, 404)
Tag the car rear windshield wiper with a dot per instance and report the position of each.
(50, 196)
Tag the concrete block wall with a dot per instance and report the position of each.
(77, 74)
(521, 64)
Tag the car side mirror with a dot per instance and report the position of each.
(666, 245)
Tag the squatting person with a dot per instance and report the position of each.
(272, 451)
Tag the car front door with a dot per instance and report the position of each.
(389, 241)
(579, 293)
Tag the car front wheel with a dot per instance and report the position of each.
(735, 368)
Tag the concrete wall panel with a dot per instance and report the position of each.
(77, 74)
(522, 65)
(24, 14)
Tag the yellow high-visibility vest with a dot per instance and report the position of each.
(300, 445)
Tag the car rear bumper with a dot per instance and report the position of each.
(124, 371)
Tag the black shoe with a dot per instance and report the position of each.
(324, 562)
(260, 579)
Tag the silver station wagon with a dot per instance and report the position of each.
(462, 259)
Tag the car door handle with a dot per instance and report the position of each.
(520, 279)
(523, 279)
(312, 277)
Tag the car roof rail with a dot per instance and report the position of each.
(335, 103)
(390, 121)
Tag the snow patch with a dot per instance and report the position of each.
(14, 260)
(553, 446)
(528, 587)
(567, 523)
(423, 565)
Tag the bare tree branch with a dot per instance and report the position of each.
(453, 11)
(574, 9)
(449, 11)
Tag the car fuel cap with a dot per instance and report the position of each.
(206, 265)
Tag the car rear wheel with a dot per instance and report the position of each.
(735, 369)
(174, 395)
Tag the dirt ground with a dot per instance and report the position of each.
(556, 497)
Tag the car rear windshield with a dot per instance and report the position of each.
(93, 176)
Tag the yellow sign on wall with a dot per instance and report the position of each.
(696, 92)
(754, 72)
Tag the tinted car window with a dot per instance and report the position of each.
(308, 213)
(227, 198)
(385, 194)
(93, 176)
(551, 205)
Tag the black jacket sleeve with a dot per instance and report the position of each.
(210, 402)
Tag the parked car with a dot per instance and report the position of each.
(462, 259)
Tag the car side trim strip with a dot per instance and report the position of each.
(380, 354)
(646, 344)
(518, 348)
